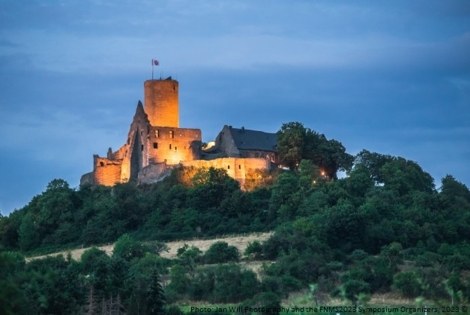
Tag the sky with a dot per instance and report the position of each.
(391, 77)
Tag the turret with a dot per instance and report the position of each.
(161, 102)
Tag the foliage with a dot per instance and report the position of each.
(127, 248)
(295, 142)
(407, 283)
(383, 227)
(221, 252)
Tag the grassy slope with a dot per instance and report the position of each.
(240, 242)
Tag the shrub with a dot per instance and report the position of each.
(221, 252)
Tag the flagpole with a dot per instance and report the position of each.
(152, 69)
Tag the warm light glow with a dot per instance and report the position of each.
(176, 158)
(323, 173)
(209, 145)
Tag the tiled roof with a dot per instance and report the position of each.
(246, 139)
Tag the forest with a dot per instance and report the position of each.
(382, 228)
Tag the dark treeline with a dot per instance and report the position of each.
(62, 216)
(384, 227)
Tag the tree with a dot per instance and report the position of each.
(232, 284)
(254, 250)
(180, 281)
(12, 297)
(290, 144)
(285, 197)
(127, 248)
(454, 195)
(407, 283)
(396, 173)
(189, 256)
(352, 289)
(268, 302)
(156, 297)
(96, 268)
(221, 252)
(295, 142)
(27, 232)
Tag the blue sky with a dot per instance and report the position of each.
(389, 76)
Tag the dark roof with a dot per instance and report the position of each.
(246, 139)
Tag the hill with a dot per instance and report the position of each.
(383, 229)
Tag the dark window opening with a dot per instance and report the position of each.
(155, 145)
(101, 163)
(239, 167)
(170, 146)
(141, 147)
(228, 166)
(176, 148)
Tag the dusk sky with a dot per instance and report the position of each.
(389, 76)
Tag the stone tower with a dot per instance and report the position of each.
(161, 102)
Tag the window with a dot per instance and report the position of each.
(172, 134)
(155, 145)
(239, 166)
(101, 163)
(141, 147)
(157, 133)
(170, 146)
(176, 148)
(228, 166)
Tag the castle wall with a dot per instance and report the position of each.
(87, 179)
(153, 173)
(106, 172)
(134, 152)
(237, 168)
(259, 154)
(173, 145)
(161, 102)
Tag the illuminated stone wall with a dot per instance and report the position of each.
(237, 168)
(161, 102)
(271, 156)
(106, 172)
(173, 145)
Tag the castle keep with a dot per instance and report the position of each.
(155, 144)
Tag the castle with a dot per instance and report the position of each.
(156, 144)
